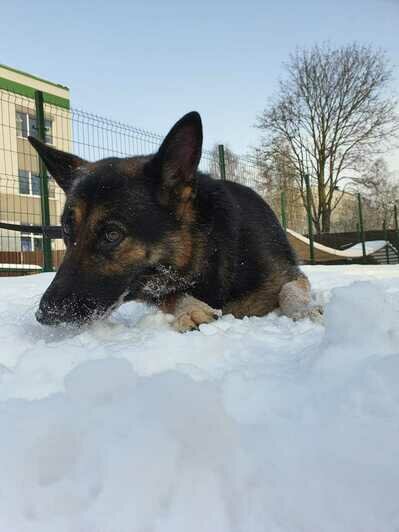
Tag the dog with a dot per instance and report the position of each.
(155, 229)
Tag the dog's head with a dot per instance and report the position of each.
(121, 217)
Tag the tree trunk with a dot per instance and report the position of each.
(326, 220)
(317, 226)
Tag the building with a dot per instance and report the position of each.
(19, 168)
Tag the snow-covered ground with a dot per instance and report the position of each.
(250, 425)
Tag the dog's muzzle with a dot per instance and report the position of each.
(72, 310)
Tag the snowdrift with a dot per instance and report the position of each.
(248, 425)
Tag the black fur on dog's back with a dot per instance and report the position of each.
(245, 243)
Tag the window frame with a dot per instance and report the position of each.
(30, 194)
(32, 237)
(28, 118)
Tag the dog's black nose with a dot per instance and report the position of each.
(68, 311)
(46, 318)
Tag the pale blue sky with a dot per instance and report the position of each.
(147, 63)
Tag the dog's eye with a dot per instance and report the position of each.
(113, 236)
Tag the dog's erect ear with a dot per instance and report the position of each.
(179, 156)
(60, 164)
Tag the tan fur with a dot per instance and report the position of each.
(261, 301)
(186, 194)
(79, 210)
(97, 215)
(183, 247)
(168, 305)
(129, 252)
(198, 253)
(185, 210)
(190, 313)
(155, 253)
(289, 291)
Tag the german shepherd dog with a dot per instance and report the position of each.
(155, 229)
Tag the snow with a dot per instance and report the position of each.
(372, 246)
(6, 266)
(250, 425)
(352, 252)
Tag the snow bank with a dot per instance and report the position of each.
(248, 425)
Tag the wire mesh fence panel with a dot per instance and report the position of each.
(94, 137)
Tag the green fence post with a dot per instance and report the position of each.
(384, 228)
(283, 211)
(222, 162)
(395, 216)
(44, 195)
(310, 222)
(358, 231)
(361, 226)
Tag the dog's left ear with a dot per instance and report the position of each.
(178, 158)
(61, 165)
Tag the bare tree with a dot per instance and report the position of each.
(380, 191)
(278, 176)
(334, 112)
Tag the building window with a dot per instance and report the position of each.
(26, 126)
(29, 184)
(22, 124)
(31, 242)
(24, 182)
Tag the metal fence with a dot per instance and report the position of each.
(29, 198)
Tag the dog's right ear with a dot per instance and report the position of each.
(60, 164)
(177, 159)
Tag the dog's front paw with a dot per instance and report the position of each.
(191, 312)
(313, 312)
